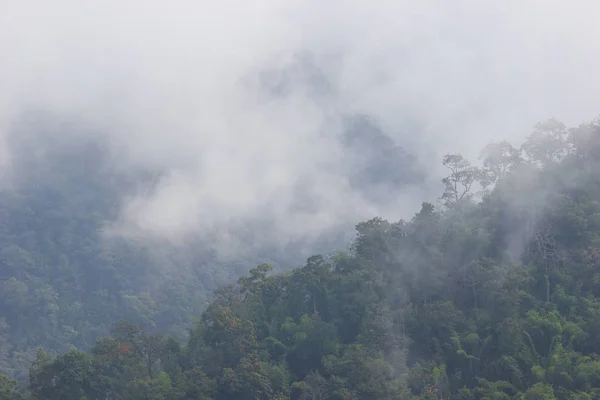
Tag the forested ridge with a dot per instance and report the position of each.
(491, 294)
(64, 282)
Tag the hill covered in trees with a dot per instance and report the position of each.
(492, 295)
(64, 281)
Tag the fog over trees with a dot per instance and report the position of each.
(299, 200)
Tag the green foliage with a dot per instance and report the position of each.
(11, 390)
(495, 296)
(64, 280)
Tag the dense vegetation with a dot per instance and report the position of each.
(63, 283)
(493, 295)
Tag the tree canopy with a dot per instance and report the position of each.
(492, 294)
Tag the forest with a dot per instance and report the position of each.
(491, 292)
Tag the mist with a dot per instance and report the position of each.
(243, 106)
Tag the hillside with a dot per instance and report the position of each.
(64, 281)
(493, 295)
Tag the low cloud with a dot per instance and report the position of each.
(241, 105)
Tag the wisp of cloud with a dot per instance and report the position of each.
(242, 104)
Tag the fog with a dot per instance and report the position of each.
(195, 90)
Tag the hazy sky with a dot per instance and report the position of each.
(174, 85)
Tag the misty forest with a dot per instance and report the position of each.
(299, 200)
(490, 291)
